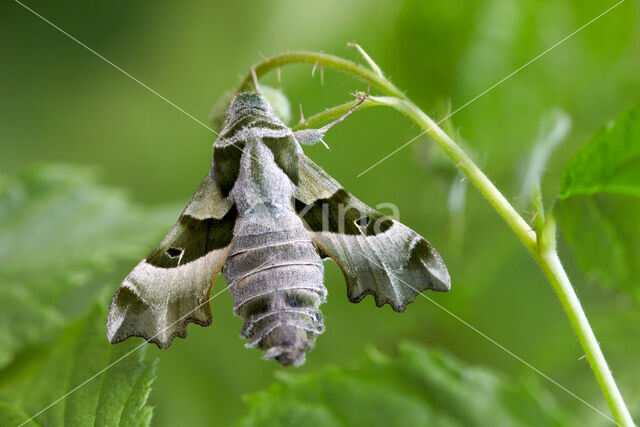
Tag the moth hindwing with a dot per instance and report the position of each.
(265, 215)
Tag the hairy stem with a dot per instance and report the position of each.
(322, 60)
(549, 261)
(543, 252)
(466, 165)
(542, 249)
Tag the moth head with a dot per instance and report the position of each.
(248, 103)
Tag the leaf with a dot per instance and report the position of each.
(553, 131)
(43, 374)
(60, 230)
(609, 162)
(599, 204)
(219, 110)
(603, 232)
(419, 387)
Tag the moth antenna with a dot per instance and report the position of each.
(255, 79)
(262, 56)
(322, 76)
(325, 128)
(367, 58)
(279, 74)
(313, 70)
(325, 145)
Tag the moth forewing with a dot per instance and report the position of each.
(170, 287)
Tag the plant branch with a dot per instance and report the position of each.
(550, 263)
(322, 60)
(543, 248)
(466, 165)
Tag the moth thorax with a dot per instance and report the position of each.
(261, 181)
(275, 276)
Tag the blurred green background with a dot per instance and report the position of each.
(60, 103)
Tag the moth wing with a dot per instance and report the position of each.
(377, 255)
(171, 286)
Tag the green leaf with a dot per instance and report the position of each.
(599, 204)
(554, 128)
(43, 374)
(609, 162)
(603, 232)
(419, 387)
(60, 230)
(219, 110)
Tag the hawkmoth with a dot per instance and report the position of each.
(267, 216)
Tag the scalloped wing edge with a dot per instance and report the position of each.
(161, 314)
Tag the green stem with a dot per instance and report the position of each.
(543, 251)
(464, 162)
(545, 255)
(322, 60)
(547, 258)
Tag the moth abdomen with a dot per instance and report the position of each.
(309, 318)
(285, 320)
(275, 276)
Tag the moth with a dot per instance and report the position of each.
(267, 216)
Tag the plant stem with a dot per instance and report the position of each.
(549, 261)
(323, 60)
(464, 162)
(543, 249)
(545, 254)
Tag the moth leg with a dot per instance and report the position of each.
(362, 98)
(310, 137)
(313, 136)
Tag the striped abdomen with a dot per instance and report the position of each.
(275, 277)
